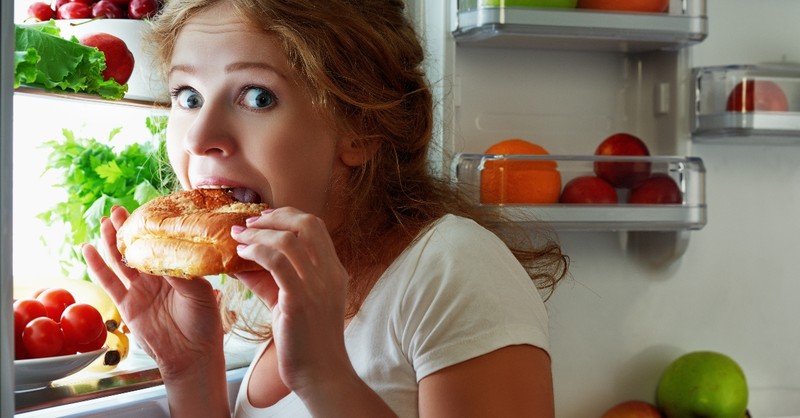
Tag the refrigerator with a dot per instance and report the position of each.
(717, 271)
(720, 276)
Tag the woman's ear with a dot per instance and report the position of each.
(354, 153)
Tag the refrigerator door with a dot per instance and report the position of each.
(6, 281)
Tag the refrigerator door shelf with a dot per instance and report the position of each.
(687, 172)
(148, 103)
(756, 104)
(577, 29)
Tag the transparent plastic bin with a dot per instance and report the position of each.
(475, 4)
(485, 23)
(747, 103)
(687, 172)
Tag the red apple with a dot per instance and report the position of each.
(119, 59)
(74, 10)
(622, 174)
(588, 189)
(633, 409)
(757, 95)
(142, 9)
(108, 10)
(41, 11)
(652, 6)
(658, 189)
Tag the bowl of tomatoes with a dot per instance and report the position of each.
(54, 337)
(37, 373)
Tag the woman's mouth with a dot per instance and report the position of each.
(240, 194)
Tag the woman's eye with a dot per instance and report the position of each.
(188, 99)
(257, 98)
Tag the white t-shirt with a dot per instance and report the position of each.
(455, 294)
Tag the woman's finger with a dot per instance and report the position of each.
(103, 274)
(118, 216)
(262, 284)
(285, 273)
(309, 229)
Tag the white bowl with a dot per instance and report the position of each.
(39, 372)
(144, 84)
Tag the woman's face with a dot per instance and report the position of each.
(240, 119)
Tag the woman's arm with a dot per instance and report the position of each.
(514, 381)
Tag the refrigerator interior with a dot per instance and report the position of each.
(621, 318)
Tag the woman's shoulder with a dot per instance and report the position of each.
(460, 236)
(455, 246)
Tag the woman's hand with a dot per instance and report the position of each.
(176, 321)
(304, 285)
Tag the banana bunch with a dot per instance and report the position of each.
(118, 348)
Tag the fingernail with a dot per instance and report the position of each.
(251, 220)
(237, 229)
(103, 219)
(113, 208)
(267, 211)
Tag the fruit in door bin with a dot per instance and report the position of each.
(588, 190)
(119, 59)
(633, 409)
(530, 3)
(527, 181)
(703, 384)
(650, 6)
(757, 95)
(622, 174)
(658, 189)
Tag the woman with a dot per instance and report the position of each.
(386, 299)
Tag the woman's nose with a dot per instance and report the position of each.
(209, 134)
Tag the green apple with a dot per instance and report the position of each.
(703, 384)
(529, 3)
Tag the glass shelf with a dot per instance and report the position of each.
(687, 172)
(580, 28)
(747, 104)
(125, 101)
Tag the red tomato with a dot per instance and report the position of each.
(82, 323)
(19, 349)
(96, 344)
(26, 310)
(42, 337)
(55, 300)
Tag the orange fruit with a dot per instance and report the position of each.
(519, 180)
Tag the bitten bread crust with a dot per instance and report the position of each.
(186, 234)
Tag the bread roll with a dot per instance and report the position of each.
(186, 234)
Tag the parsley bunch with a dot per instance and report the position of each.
(97, 177)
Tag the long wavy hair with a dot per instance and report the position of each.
(362, 62)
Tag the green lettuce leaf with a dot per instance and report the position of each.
(42, 58)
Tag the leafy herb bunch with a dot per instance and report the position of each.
(96, 177)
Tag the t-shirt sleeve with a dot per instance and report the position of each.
(468, 296)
